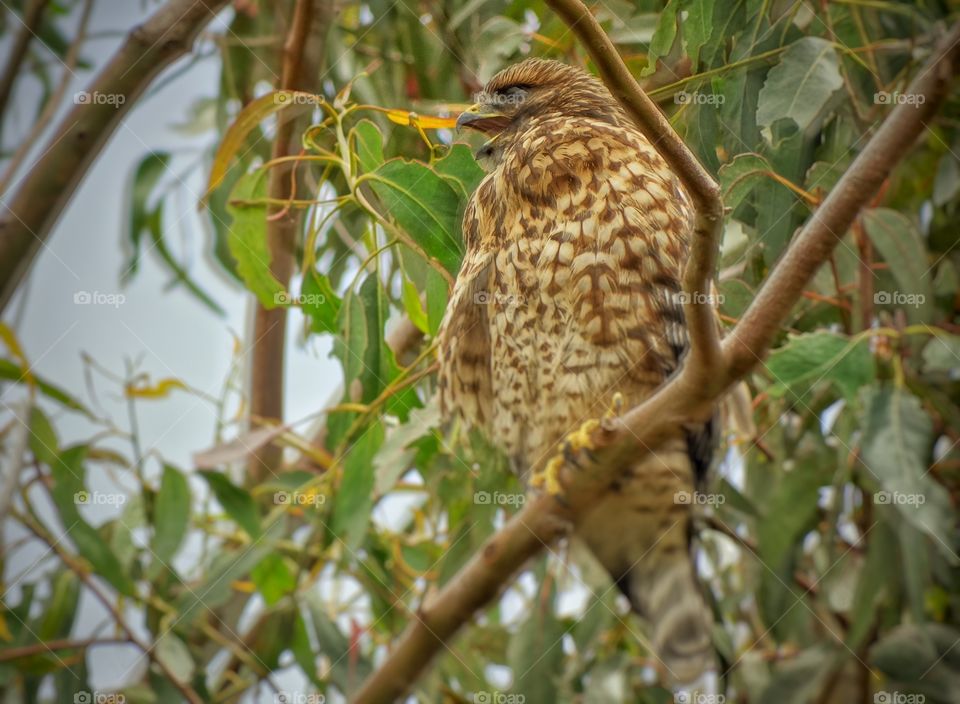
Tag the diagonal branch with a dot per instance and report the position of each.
(684, 397)
(28, 215)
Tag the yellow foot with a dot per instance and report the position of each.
(580, 439)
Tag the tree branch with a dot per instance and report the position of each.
(28, 216)
(32, 16)
(684, 397)
(300, 71)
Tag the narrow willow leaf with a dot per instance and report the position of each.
(367, 143)
(248, 241)
(354, 497)
(248, 119)
(237, 503)
(171, 514)
(145, 178)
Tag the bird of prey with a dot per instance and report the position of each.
(569, 296)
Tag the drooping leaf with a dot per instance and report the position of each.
(424, 205)
(145, 178)
(367, 143)
(802, 83)
(813, 358)
(248, 241)
(320, 303)
(901, 245)
(171, 514)
(354, 497)
(237, 503)
(10, 371)
(248, 119)
(897, 438)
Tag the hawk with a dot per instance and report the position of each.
(568, 297)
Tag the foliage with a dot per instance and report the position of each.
(829, 540)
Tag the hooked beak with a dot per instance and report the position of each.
(482, 118)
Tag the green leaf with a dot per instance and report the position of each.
(61, 608)
(812, 358)
(367, 143)
(663, 36)
(11, 371)
(68, 494)
(800, 86)
(942, 354)
(354, 498)
(697, 27)
(739, 177)
(248, 240)
(171, 514)
(535, 653)
(424, 205)
(901, 245)
(274, 578)
(799, 679)
(175, 655)
(145, 178)
(897, 437)
(320, 303)
(460, 169)
(920, 659)
(237, 503)
(395, 455)
(437, 290)
(43, 439)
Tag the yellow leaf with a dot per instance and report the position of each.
(159, 390)
(10, 340)
(244, 586)
(5, 630)
(405, 117)
(251, 116)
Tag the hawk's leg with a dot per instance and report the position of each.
(575, 443)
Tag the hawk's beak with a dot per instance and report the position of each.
(482, 118)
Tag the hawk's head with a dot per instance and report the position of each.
(519, 95)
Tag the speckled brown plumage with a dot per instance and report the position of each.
(569, 293)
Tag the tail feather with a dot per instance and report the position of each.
(681, 623)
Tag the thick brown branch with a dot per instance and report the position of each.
(682, 399)
(300, 71)
(27, 217)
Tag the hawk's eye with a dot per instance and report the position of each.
(511, 95)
